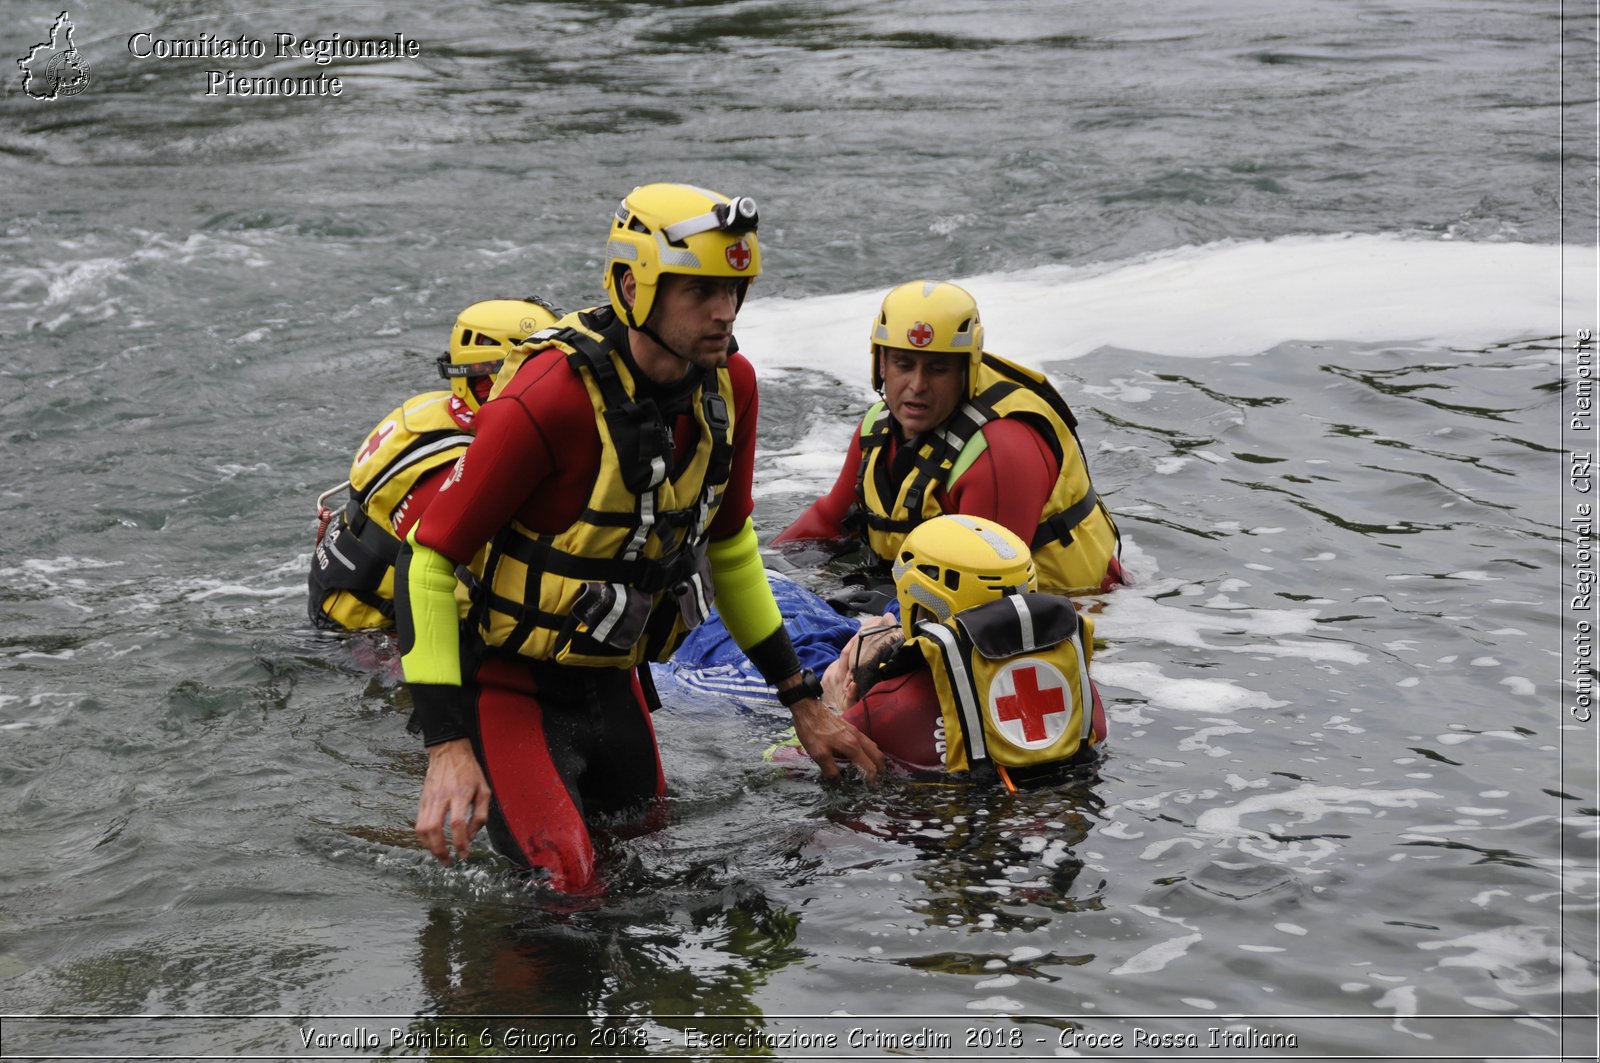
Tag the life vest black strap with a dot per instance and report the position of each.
(371, 534)
(872, 440)
(1058, 529)
(671, 519)
(889, 524)
(719, 464)
(526, 618)
(1042, 388)
(648, 574)
(355, 554)
(352, 557)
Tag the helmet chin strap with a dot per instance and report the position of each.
(655, 337)
(644, 328)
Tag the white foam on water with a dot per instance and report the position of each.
(810, 466)
(65, 700)
(1189, 695)
(55, 566)
(1159, 955)
(1293, 808)
(1227, 299)
(1523, 960)
(83, 285)
(1134, 614)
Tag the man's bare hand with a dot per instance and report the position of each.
(828, 737)
(454, 793)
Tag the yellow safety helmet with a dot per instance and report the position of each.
(953, 562)
(668, 228)
(932, 316)
(483, 334)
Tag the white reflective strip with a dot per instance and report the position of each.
(1085, 688)
(672, 256)
(1002, 548)
(702, 599)
(658, 471)
(334, 550)
(956, 664)
(621, 249)
(681, 230)
(924, 597)
(602, 630)
(647, 520)
(412, 458)
(702, 514)
(1025, 617)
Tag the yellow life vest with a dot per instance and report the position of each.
(1013, 681)
(352, 568)
(1076, 537)
(630, 577)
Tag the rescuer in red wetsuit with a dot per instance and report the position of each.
(604, 498)
(982, 671)
(960, 430)
(398, 468)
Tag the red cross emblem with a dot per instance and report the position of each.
(738, 255)
(374, 441)
(1031, 702)
(920, 334)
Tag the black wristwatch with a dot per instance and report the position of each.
(808, 687)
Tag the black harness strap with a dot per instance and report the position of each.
(1058, 529)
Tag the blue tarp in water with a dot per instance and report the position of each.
(709, 662)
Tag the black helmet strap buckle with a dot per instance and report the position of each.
(738, 215)
(451, 370)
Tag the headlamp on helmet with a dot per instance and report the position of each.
(953, 562)
(672, 228)
(483, 333)
(934, 316)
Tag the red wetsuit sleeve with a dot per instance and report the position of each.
(512, 456)
(824, 518)
(416, 501)
(1010, 482)
(737, 498)
(902, 716)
